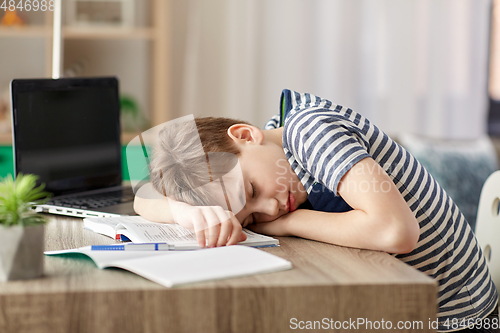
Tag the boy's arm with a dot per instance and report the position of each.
(380, 220)
(212, 225)
(152, 206)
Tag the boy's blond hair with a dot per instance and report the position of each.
(178, 170)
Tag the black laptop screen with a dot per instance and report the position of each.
(68, 134)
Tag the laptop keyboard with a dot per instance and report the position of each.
(95, 200)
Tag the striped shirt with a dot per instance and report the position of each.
(322, 141)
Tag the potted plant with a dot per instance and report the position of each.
(21, 228)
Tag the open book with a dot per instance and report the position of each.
(140, 230)
(176, 268)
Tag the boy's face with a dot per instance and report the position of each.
(272, 189)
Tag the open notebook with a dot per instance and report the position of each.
(170, 268)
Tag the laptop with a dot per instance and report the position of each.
(67, 132)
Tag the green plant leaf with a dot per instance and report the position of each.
(17, 199)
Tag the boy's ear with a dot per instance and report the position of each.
(243, 133)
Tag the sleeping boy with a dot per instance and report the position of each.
(323, 172)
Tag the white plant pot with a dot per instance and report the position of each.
(21, 252)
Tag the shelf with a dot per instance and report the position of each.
(139, 55)
(79, 32)
(127, 137)
(107, 33)
(6, 138)
(25, 31)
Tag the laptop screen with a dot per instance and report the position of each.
(67, 131)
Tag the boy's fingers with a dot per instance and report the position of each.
(225, 231)
(213, 224)
(212, 235)
(226, 225)
(236, 232)
(243, 237)
(200, 238)
(199, 229)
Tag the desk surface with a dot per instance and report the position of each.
(327, 281)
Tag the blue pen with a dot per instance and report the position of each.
(134, 247)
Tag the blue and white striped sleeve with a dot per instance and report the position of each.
(273, 123)
(324, 144)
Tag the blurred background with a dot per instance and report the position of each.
(427, 67)
(418, 66)
(427, 72)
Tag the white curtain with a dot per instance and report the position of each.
(417, 66)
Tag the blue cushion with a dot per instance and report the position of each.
(459, 166)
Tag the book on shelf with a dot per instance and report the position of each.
(174, 268)
(140, 230)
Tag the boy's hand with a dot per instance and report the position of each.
(212, 225)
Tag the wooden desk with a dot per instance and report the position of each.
(327, 281)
